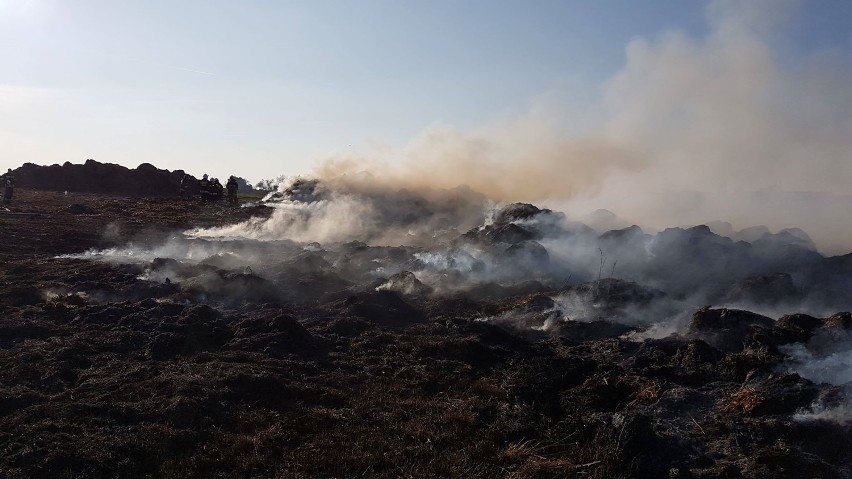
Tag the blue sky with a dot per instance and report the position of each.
(259, 88)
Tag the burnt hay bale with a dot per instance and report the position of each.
(726, 329)
(22, 296)
(383, 308)
(763, 289)
(278, 337)
(197, 331)
(500, 233)
(200, 312)
(516, 211)
(842, 321)
(776, 395)
(528, 252)
(349, 327)
(405, 283)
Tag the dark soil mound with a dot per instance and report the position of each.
(279, 336)
(726, 329)
(384, 308)
(104, 178)
(405, 283)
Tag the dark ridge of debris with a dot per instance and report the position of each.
(102, 178)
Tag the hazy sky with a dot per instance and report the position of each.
(258, 88)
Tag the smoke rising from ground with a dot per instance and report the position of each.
(527, 269)
(826, 358)
(455, 241)
(690, 130)
(356, 208)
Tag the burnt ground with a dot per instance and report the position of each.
(104, 373)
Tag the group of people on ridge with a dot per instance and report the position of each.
(7, 181)
(210, 190)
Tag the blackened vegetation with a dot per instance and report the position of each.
(308, 368)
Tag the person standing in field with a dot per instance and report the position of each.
(204, 188)
(8, 183)
(232, 187)
(184, 187)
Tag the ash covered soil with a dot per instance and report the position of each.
(131, 349)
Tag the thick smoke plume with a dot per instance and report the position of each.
(691, 130)
(525, 159)
(346, 209)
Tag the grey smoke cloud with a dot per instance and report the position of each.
(733, 130)
(827, 358)
(355, 207)
(690, 130)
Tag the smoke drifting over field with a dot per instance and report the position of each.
(340, 210)
(471, 293)
(690, 130)
(357, 235)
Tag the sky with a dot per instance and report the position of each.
(269, 87)
(533, 100)
(262, 88)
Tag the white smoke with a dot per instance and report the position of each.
(691, 129)
(825, 359)
(356, 208)
(337, 220)
(735, 133)
(833, 368)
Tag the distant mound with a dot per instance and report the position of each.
(106, 178)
